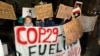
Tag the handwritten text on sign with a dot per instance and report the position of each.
(43, 11)
(7, 11)
(37, 41)
(64, 11)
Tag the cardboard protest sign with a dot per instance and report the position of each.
(74, 49)
(40, 41)
(73, 30)
(43, 11)
(6, 11)
(1, 49)
(64, 11)
(88, 22)
(28, 12)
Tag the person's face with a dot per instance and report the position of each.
(28, 20)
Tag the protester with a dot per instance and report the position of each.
(37, 22)
(40, 23)
(20, 21)
(49, 22)
(28, 21)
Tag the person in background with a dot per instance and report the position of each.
(28, 21)
(20, 21)
(40, 23)
(37, 22)
(49, 22)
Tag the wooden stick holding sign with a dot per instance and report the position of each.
(64, 11)
(43, 11)
(7, 11)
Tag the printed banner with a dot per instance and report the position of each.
(7, 11)
(40, 41)
(64, 12)
(43, 11)
(74, 49)
(1, 49)
(88, 22)
(28, 12)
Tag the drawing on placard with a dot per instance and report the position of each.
(28, 12)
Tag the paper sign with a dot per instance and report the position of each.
(88, 22)
(28, 12)
(5, 49)
(43, 11)
(78, 4)
(74, 49)
(6, 11)
(64, 11)
(40, 41)
(1, 49)
(73, 30)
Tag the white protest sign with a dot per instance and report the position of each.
(74, 49)
(88, 22)
(28, 12)
(1, 49)
(40, 41)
